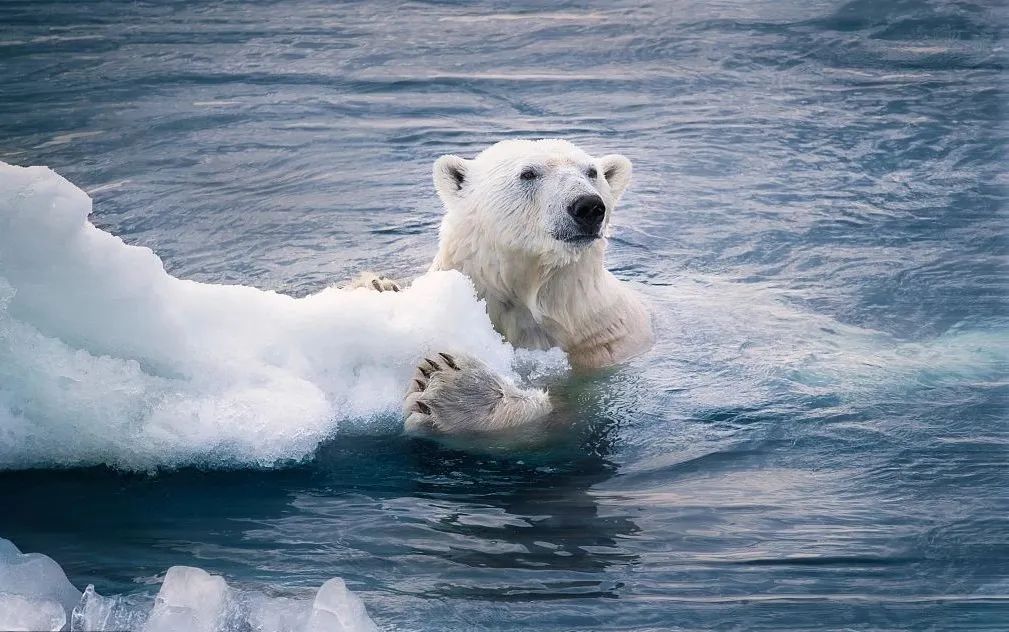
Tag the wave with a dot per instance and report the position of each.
(105, 358)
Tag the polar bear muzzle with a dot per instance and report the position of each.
(588, 211)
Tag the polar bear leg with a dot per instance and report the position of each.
(373, 281)
(457, 395)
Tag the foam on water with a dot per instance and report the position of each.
(36, 595)
(106, 358)
(758, 346)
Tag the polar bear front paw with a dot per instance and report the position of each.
(450, 394)
(373, 281)
(459, 395)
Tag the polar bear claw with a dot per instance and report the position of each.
(458, 395)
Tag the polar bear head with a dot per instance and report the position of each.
(542, 197)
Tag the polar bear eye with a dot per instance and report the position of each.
(528, 174)
(592, 173)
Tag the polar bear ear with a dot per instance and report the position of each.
(450, 173)
(617, 171)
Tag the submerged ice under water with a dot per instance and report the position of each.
(817, 439)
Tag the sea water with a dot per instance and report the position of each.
(195, 423)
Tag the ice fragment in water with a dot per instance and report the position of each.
(336, 609)
(190, 599)
(31, 615)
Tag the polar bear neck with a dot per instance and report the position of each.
(540, 301)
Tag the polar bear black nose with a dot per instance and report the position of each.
(588, 212)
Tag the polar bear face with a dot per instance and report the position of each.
(541, 197)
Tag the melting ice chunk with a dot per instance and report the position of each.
(34, 577)
(336, 609)
(24, 613)
(92, 613)
(95, 612)
(190, 599)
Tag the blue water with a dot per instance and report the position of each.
(818, 439)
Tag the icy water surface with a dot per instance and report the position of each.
(817, 441)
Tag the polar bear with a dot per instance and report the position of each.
(526, 221)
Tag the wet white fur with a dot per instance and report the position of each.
(541, 292)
